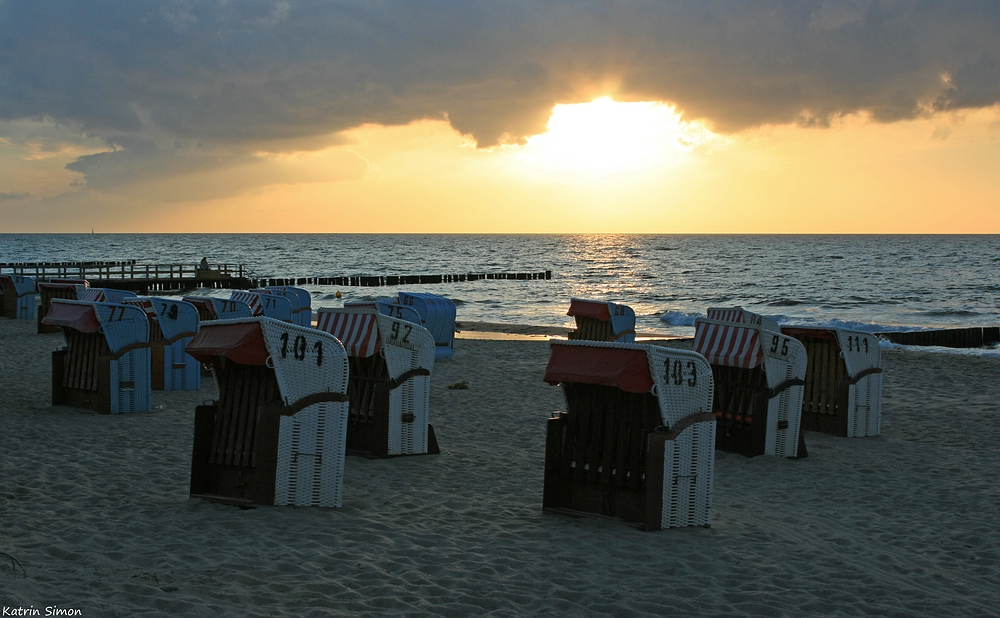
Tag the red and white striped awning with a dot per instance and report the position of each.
(143, 303)
(357, 331)
(725, 344)
(250, 298)
(726, 315)
(589, 308)
(95, 295)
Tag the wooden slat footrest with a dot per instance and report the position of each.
(225, 500)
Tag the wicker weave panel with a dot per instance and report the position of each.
(688, 477)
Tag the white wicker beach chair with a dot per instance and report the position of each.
(637, 441)
(391, 363)
(843, 389)
(301, 303)
(602, 321)
(172, 325)
(277, 433)
(105, 366)
(17, 297)
(758, 375)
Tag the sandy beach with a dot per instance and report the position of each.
(95, 514)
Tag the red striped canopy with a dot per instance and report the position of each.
(357, 331)
(202, 303)
(726, 315)
(78, 316)
(143, 303)
(622, 368)
(250, 298)
(725, 344)
(240, 343)
(590, 309)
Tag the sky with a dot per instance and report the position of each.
(448, 116)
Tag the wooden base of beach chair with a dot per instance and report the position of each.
(368, 391)
(824, 399)
(8, 304)
(80, 383)
(597, 456)
(591, 329)
(741, 409)
(239, 483)
(235, 454)
(156, 354)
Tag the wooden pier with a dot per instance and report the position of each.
(140, 278)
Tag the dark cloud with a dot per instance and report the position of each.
(5, 197)
(243, 74)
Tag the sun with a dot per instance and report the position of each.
(607, 138)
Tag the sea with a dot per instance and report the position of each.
(864, 282)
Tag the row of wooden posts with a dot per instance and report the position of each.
(975, 337)
(378, 281)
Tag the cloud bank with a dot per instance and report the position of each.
(164, 83)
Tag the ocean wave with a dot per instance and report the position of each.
(679, 318)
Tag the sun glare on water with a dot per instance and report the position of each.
(607, 138)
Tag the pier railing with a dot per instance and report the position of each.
(128, 269)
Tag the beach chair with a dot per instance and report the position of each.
(105, 364)
(68, 289)
(759, 374)
(843, 389)
(17, 297)
(301, 305)
(602, 321)
(210, 308)
(276, 435)
(172, 325)
(263, 304)
(389, 390)
(637, 440)
(105, 295)
(389, 308)
(437, 314)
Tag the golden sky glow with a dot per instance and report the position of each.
(600, 167)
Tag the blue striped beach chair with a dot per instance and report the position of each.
(389, 308)
(17, 297)
(598, 320)
(637, 440)
(391, 362)
(301, 303)
(264, 304)
(759, 374)
(105, 295)
(172, 325)
(437, 315)
(277, 433)
(211, 308)
(105, 365)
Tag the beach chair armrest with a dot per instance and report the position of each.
(859, 376)
(787, 384)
